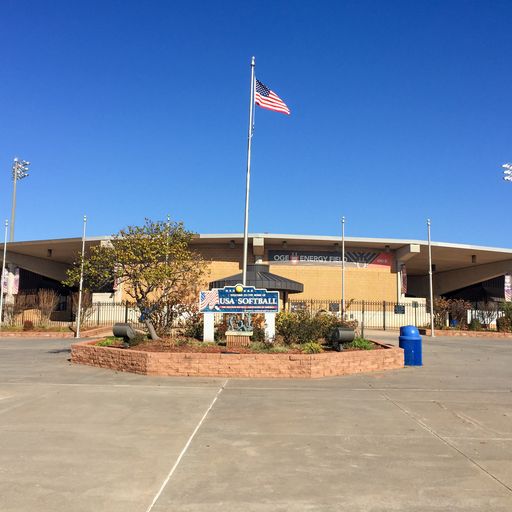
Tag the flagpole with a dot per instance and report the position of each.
(248, 176)
(3, 274)
(342, 268)
(431, 289)
(80, 289)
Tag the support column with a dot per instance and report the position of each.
(209, 327)
(270, 326)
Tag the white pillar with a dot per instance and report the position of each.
(209, 327)
(270, 326)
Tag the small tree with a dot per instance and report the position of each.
(487, 312)
(47, 300)
(22, 302)
(86, 306)
(156, 266)
(441, 309)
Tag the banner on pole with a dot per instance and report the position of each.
(403, 272)
(508, 287)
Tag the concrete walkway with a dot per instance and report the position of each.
(436, 438)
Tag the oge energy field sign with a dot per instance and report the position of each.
(237, 299)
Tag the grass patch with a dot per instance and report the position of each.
(108, 342)
(268, 348)
(360, 344)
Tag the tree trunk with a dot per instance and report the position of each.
(151, 330)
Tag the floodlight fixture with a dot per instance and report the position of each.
(507, 173)
(20, 170)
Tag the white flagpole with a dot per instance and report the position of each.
(80, 289)
(248, 176)
(3, 275)
(432, 333)
(342, 267)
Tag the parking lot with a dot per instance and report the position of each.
(435, 438)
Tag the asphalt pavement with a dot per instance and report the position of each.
(431, 438)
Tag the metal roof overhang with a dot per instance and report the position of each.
(260, 277)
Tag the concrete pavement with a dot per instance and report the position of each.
(439, 437)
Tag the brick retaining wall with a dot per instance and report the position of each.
(197, 364)
(89, 333)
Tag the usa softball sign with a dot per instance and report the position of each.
(238, 299)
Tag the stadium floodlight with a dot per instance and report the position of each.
(19, 171)
(507, 173)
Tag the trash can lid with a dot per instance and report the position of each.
(409, 330)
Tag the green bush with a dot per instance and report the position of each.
(475, 325)
(28, 325)
(361, 344)
(194, 327)
(504, 324)
(312, 347)
(258, 334)
(299, 327)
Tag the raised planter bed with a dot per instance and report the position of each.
(469, 334)
(204, 364)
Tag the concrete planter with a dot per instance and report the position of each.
(267, 366)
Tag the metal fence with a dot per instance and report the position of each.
(99, 314)
(373, 314)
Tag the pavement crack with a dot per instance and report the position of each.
(446, 442)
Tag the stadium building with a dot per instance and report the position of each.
(301, 267)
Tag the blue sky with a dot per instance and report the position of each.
(400, 111)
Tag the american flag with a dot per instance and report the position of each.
(266, 98)
(208, 299)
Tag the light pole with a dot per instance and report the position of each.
(19, 171)
(507, 173)
(80, 289)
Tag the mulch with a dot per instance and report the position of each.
(169, 346)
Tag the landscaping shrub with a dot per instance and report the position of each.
(441, 309)
(475, 325)
(47, 301)
(258, 334)
(298, 327)
(139, 338)
(28, 325)
(193, 327)
(312, 347)
(458, 309)
(361, 344)
(220, 330)
(504, 322)
(302, 327)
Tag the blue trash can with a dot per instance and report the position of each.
(410, 341)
